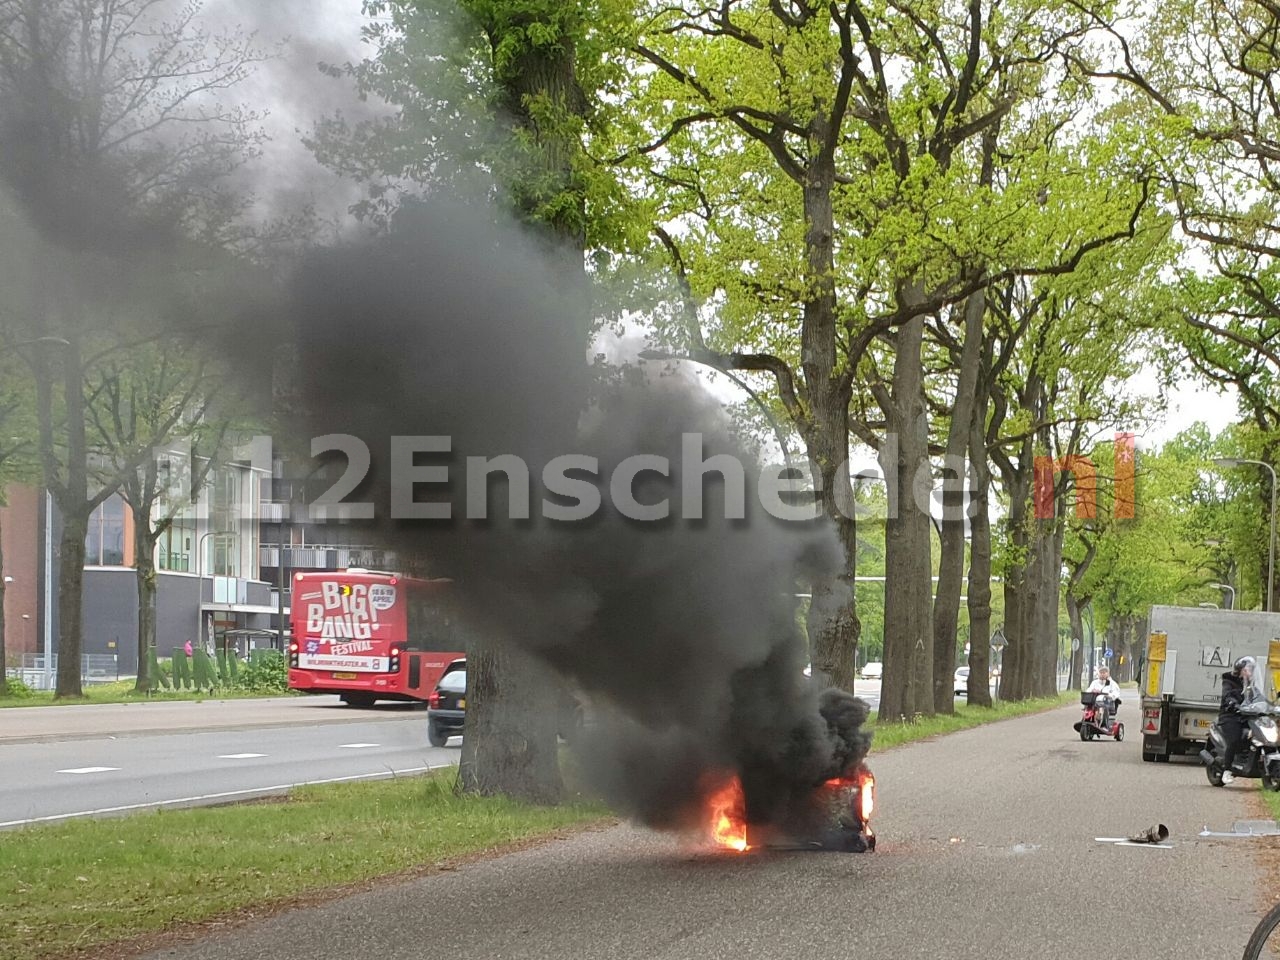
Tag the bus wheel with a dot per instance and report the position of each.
(358, 699)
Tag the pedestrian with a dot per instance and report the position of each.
(188, 647)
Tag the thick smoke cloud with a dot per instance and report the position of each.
(682, 632)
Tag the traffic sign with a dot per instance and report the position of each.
(1108, 654)
(1075, 644)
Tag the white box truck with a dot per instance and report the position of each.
(1188, 651)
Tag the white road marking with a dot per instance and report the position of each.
(89, 770)
(101, 811)
(240, 756)
(357, 746)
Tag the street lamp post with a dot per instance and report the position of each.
(48, 590)
(1088, 609)
(1230, 592)
(200, 578)
(1271, 550)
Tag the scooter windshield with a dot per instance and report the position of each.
(1255, 690)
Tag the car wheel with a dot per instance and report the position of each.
(437, 736)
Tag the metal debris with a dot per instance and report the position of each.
(1246, 828)
(1157, 833)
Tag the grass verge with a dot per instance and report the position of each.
(1270, 800)
(890, 734)
(89, 883)
(121, 691)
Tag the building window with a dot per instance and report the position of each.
(174, 551)
(104, 542)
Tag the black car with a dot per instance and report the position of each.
(447, 708)
(447, 705)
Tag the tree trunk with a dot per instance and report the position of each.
(76, 509)
(510, 746)
(1042, 612)
(1013, 677)
(70, 561)
(946, 601)
(907, 687)
(979, 692)
(145, 578)
(1077, 640)
(833, 623)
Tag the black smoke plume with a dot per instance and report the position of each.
(681, 631)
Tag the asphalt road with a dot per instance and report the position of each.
(987, 851)
(26, 724)
(52, 780)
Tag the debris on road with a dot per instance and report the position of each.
(1246, 828)
(1153, 836)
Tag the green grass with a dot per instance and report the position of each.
(888, 734)
(90, 882)
(121, 691)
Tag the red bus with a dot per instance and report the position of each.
(369, 636)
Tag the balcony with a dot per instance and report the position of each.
(320, 556)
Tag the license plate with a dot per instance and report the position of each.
(344, 676)
(462, 704)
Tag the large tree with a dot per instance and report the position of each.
(158, 395)
(818, 172)
(114, 141)
(493, 102)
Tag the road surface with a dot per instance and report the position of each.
(987, 851)
(92, 775)
(26, 724)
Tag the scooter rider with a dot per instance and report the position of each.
(1110, 689)
(1237, 689)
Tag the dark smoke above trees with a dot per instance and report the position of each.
(113, 143)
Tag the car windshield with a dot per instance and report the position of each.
(454, 681)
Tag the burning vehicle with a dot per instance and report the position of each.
(839, 819)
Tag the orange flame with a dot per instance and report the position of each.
(863, 781)
(728, 816)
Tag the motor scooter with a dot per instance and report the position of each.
(1098, 720)
(1258, 756)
